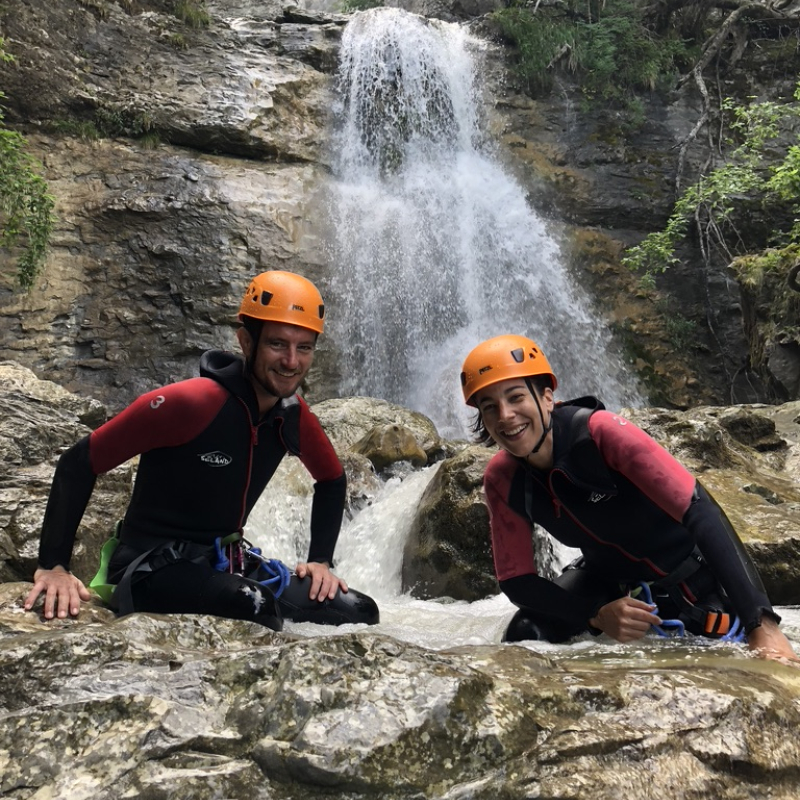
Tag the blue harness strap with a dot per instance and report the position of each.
(241, 555)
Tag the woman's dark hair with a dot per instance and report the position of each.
(538, 382)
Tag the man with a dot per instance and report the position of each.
(209, 446)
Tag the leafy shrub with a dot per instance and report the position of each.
(26, 208)
(611, 48)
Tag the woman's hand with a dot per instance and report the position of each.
(768, 641)
(625, 619)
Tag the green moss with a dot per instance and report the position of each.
(193, 13)
(635, 351)
(348, 6)
(26, 207)
(770, 301)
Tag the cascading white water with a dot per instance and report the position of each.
(436, 246)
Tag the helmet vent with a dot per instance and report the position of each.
(266, 297)
(518, 355)
(322, 312)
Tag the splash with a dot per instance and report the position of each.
(436, 246)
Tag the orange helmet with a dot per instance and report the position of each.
(284, 297)
(498, 360)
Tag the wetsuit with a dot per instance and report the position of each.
(636, 515)
(206, 457)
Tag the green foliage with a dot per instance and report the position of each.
(81, 129)
(610, 47)
(193, 13)
(97, 5)
(119, 121)
(26, 208)
(537, 42)
(359, 5)
(178, 41)
(746, 178)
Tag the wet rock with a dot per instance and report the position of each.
(388, 444)
(199, 707)
(38, 421)
(347, 420)
(447, 553)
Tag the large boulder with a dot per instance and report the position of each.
(38, 420)
(347, 420)
(200, 708)
(447, 553)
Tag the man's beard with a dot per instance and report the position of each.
(271, 389)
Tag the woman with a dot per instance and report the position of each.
(645, 527)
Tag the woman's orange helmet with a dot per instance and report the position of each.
(498, 360)
(278, 296)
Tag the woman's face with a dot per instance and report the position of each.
(511, 417)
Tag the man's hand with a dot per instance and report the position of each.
(768, 641)
(63, 592)
(324, 584)
(626, 619)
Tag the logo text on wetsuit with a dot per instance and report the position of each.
(598, 497)
(216, 459)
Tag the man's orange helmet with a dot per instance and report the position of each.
(498, 360)
(278, 296)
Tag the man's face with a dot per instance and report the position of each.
(283, 356)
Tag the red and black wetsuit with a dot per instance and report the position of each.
(633, 511)
(206, 457)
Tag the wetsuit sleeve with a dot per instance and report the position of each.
(165, 417)
(549, 601)
(514, 559)
(326, 518)
(73, 483)
(724, 553)
(512, 535)
(630, 451)
(330, 487)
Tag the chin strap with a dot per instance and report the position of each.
(545, 429)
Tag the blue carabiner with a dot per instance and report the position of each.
(278, 572)
(675, 625)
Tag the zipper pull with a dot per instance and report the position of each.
(557, 507)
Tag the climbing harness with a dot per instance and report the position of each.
(232, 553)
(716, 624)
(235, 554)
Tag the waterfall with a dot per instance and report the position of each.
(436, 248)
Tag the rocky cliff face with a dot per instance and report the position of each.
(157, 238)
(184, 157)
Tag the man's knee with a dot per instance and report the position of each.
(351, 607)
